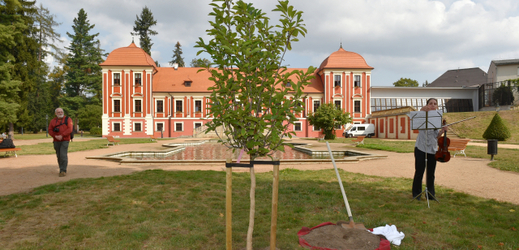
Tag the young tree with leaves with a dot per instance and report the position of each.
(248, 98)
(143, 29)
(328, 117)
(83, 79)
(177, 56)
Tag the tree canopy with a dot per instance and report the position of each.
(328, 117)
(406, 82)
(200, 62)
(142, 28)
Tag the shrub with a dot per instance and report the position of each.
(96, 131)
(497, 129)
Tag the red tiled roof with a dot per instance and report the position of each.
(345, 60)
(170, 80)
(129, 56)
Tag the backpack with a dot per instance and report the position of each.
(71, 134)
(7, 143)
(66, 123)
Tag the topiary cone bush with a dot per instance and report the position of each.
(497, 129)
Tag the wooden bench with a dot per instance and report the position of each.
(10, 150)
(153, 138)
(359, 140)
(111, 140)
(458, 146)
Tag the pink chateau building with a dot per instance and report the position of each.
(141, 99)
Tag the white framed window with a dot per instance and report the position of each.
(116, 105)
(116, 127)
(338, 104)
(357, 82)
(317, 103)
(198, 105)
(137, 78)
(159, 126)
(137, 105)
(159, 106)
(179, 106)
(337, 80)
(357, 106)
(298, 126)
(179, 126)
(197, 125)
(116, 78)
(137, 126)
(315, 128)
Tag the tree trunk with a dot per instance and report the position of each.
(11, 131)
(252, 207)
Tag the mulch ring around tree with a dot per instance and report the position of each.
(329, 236)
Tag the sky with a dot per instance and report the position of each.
(416, 39)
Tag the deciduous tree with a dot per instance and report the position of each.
(328, 117)
(406, 82)
(248, 98)
(200, 62)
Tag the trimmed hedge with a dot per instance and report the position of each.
(497, 129)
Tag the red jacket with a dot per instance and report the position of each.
(65, 129)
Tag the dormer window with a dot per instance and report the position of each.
(138, 78)
(187, 83)
(288, 84)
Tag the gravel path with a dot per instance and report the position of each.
(468, 175)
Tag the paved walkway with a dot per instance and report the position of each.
(468, 175)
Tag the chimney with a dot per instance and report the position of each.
(175, 66)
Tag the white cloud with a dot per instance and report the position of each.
(420, 39)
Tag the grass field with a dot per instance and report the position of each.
(185, 209)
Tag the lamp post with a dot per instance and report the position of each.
(47, 127)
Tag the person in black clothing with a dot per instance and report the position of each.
(426, 144)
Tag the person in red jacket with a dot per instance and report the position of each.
(60, 129)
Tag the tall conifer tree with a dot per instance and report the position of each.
(11, 26)
(177, 56)
(83, 78)
(25, 64)
(143, 29)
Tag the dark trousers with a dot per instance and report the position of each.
(419, 166)
(61, 148)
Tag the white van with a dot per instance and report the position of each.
(355, 130)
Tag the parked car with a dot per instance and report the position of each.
(355, 130)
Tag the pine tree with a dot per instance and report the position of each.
(83, 78)
(177, 56)
(26, 65)
(143, 29)
(11, 25)
(47, 35)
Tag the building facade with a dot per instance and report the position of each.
(141, 99)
